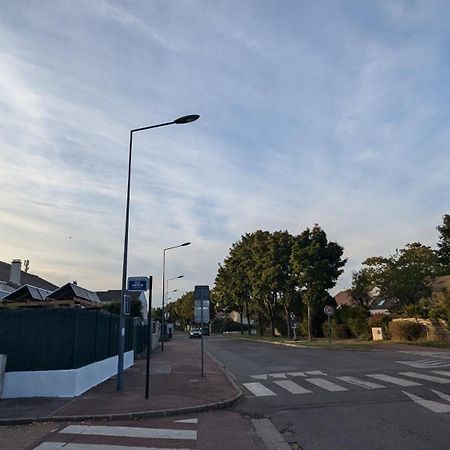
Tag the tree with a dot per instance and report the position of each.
(443, 251)
(406, 275)
(182, 310)
(316, 264)
(361, 287)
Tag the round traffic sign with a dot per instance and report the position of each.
(328, 310)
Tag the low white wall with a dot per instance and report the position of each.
(61, 383)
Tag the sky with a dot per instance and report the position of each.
(328, 112)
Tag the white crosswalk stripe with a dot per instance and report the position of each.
(442, 372)
(361, 383)
(422, 376)
(325, 384)
(436, 407)
(393, 380)
(292, 387)
(110, 437)
(259, 390)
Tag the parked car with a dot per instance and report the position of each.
(195, 333)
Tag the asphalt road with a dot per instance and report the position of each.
(320, 399)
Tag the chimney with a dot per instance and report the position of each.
(16, 266)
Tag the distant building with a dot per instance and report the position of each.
(344, 298)
(13, 277)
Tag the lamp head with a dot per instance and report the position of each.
(186, 119)
(184, 245)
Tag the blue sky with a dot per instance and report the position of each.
(329, 112)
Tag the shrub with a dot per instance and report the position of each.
(380, 320)
(338, 330)
(405, 330)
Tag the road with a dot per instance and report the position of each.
(321, 399)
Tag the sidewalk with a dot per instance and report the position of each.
(176, 387)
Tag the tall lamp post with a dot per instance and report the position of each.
(121, 349)
(163, 330)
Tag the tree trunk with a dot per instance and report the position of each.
(261, 330)
(248, 318)
(309, 320)
(288, 321)
(240, 320)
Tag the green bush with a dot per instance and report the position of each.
(338, 330)
(405, 330)
(380, 320)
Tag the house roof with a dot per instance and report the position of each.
(71, 290)
(25, 278)
(113, 295)
(344, 298)
(441, 283)
(27, 292)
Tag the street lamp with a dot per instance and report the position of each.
(121, 349)
(163, 331)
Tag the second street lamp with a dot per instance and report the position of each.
(163, 325)
(121, 344)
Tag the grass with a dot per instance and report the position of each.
(343, 343)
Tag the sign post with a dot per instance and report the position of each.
(294, 325)
(201, 313)
(149, 337)
(329, 311)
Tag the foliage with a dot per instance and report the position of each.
(380, 320)
(182, 310)
(444, 242)
(135, 308)
(355, 319)
(405, 276)
(406, 330)
(361, 287)
(273, 274)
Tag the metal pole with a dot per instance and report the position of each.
(163, 329)
(150, 336)
(121, 347)
(329, 329)
(201, 335)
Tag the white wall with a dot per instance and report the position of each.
(61, 383)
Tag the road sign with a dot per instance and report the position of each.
(138, 283)
(201, 292)
(328, 310)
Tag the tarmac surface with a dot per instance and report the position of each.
(176, 387)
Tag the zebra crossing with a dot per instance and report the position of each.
(181, 436)
(302, 383)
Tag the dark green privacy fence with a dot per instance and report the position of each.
(58, 339)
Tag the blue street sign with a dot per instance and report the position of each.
(138, 283)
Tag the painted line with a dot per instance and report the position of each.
(325, 384)
(186, 421)
(316, 372)
(361, 383)
(296, 374)
(442, 372)
(393, 380)
(258, 389)
(292, 387)
(442, 395)
(157, 433)
(277, 375)
(72, 446)
(270, 436)
(422, 376)
(259, 377)
(436, 407)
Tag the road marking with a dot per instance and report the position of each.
(393, 380)
(296, 374)
(158, 433)
(270, 436)
(315, 372)
(259, 377)
(361, 383)
(259, 390)
(277, 375)
(442, 395)
(292, 387)
(436, 407)
(442, 372)
(422, 376)
(186, 421)
(327, 385)
(72, 446)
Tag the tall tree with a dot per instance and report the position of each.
(407, 274)
(444, 242)
(317, 264)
